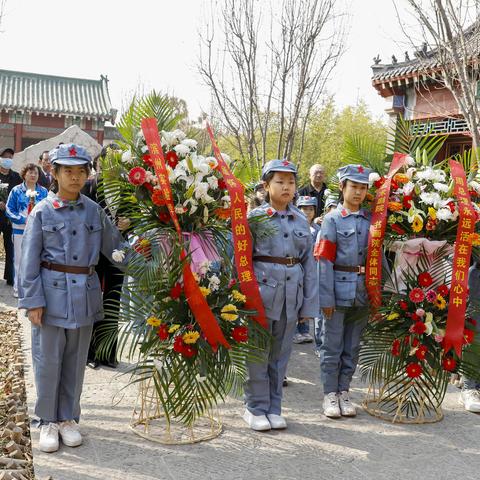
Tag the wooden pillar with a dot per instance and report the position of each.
(18, 137)
(100, 136)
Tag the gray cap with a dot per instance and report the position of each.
(69, 154)
(355, 173)
(306, 201)
(278, 166)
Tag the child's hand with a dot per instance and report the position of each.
(328, 311)
(35, 316)
(123, 223)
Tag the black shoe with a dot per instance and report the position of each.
(10, 283)
(93, 364)
(109, 363)
(285, 382)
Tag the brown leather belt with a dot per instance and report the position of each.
(288, 261)
(360, 269)
(68, 268)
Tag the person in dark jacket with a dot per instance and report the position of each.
(11, 179)
(316, 188)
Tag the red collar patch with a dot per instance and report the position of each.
(344, 213)
(72, 152)
(270, 211)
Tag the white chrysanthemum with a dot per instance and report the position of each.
(181, 149)
(213, 182)
(127, 156)
(168, 139)
(445, 214)
(144, 149)
(475, 186)
(410, 160)
(441, 187)
(190, 142)
(373, 177)
(179, 135)
(204, 267)
(214, 283)
(118, 256)
(430, 198)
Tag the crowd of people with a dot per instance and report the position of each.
(310, 270)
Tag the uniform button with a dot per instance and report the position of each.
(288, 278)
(285, 235)
(74, 232)
(264, 280)
(282, 216)
(346, 233)
(54, 229)
(344, 278)
(74, 281)
(91, 227)
(359, 233)
(75, 257)
(71, 207)
(360, 253)
(55, 284)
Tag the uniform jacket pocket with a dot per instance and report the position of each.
(94, 296)
(345, 285)
(268, 290)
(56, 296)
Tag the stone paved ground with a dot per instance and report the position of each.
(312, 447)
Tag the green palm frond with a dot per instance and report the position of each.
(365, 151)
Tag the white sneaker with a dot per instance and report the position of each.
(317, 353)
(470, 399)
(70, 433)
(298, 338)
(15, 293)
(331, 408)
(277, 422)
(307, 338)
(259, 423)
(49, 437)
(347, 409)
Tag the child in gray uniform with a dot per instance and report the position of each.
(61, 292)
(286, 273)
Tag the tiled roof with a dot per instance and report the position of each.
(33, 92)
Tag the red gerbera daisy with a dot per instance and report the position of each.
(137, 176)
(415, 317)
(403, 304)
(147, 159)
(171, 158)
(418, 327)
(162, 331)
(188, 351)
(407, 201)
(164, 217)
(468, 336)
(421, 352)
(158, 198)
(240, 334)
(378, 183)
(396, 347)
(425, 279)
(222, 185)
(449, 364)
(442, 290)
(178, 344)
(416, 295)
(414, 370)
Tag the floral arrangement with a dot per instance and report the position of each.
(421, 202)
(404, 345)
(199, 192)
(159, 330)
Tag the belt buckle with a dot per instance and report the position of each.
(91, 270)
(361, 269)
(290, 261)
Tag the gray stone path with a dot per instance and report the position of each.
(313, 447)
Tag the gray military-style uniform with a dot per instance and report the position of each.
(288, 292)
(66, 233)
(345, 234)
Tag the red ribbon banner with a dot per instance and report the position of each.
(242, 240)
(377, 233)
(198, 305)
(461, 261)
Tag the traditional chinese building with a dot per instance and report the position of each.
(35, 107)
(411, 91)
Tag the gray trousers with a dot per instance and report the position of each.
(59, 358)
(340, 347)
(263, 389)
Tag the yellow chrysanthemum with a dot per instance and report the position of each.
(475, 239)
(144, 242)
(191, 337)
(154, 321)
(440, 302)
(401, 178)
(229, 313)
(432, 213)
(205, 291)
(395, 206)
(393, 316)
(174, 328)
(417, 224)
(239, 297)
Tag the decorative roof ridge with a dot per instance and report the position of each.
(103, 78)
